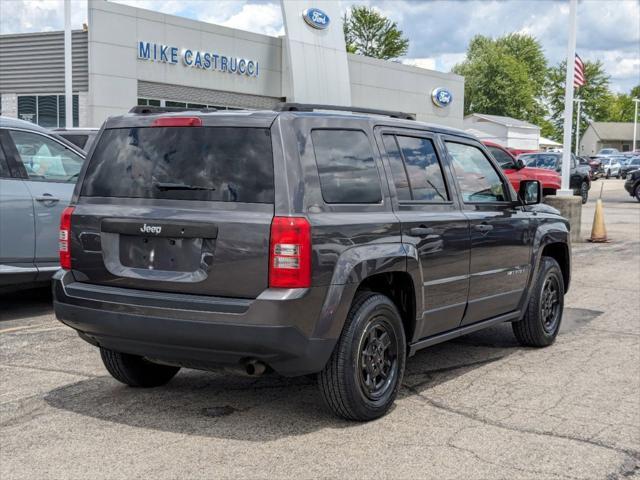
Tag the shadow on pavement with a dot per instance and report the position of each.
(25, 304)
(214, 404)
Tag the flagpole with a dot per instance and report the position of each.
(635, 124)
(579, 102)
(568, 100)
(68, 68)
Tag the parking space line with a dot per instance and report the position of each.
(26, 327)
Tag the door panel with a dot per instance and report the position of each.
(501, 240)
(501, 236)
(434, 224)
(49, 200)
(442, 242)
(16, 233)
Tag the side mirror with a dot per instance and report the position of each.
(530, 192)
(519, 164)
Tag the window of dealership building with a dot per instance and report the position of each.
(128, 56)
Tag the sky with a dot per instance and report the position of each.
(439, 31)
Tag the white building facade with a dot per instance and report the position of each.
(508, 132)
(130, 56)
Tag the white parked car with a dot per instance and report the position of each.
(607, 152)
(611, 165)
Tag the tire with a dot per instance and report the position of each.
(352, 383)
(135, 371)
(542, 319)
(608, 174)
(636, 192)
(584, 192)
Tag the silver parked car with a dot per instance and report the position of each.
(38, 172)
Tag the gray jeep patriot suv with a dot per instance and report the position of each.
(305, 240)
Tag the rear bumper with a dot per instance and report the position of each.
(628, 185)
(196, 331)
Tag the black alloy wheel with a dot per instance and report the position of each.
(543, 315)
(363, 376)
(377, 359)
(550, 304)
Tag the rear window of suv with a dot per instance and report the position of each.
(225, 164)
(347, 169)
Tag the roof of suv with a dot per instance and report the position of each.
(264, 119)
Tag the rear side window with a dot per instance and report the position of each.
(347, 169)
(227, 164)
(416, 171)
(45, 159)
(400, 177)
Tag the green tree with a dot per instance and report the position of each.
(622, 108)
(595, 93)
(368, 33)
(505, 76)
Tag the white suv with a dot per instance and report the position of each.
(611, 166)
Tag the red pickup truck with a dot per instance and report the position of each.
(515, 170)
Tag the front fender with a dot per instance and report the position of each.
(551, 229)
(353, 266)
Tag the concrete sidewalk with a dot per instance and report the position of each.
(477, 407)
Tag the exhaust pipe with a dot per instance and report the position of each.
(254, 367)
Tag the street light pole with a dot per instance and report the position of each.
(579, 102)
(568, 100)
(635, 124)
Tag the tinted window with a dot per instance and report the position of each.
(422, 165)
(46, 159)
(503, 158)
(227, 164)
(76, 139)
(4, 169)
(549, 161)
(347, 170)
(397, 167)
(478, 180)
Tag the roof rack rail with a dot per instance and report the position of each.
(310, 107)
(150, 109)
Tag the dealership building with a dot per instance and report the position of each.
(128, 56)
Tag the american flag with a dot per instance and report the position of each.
(578, 75)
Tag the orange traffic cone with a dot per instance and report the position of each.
(599, 231)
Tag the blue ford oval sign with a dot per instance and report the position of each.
(316, 18)
(441, 97)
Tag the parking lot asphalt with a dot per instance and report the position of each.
(477, 407)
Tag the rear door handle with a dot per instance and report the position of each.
(47, 197)
(483, 227)
(421, 231)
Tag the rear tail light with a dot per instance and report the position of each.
(290, 253)
(64, 246)
(177, 122)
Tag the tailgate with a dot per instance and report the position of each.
(177, 209)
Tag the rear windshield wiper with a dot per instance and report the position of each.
(179, 186)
